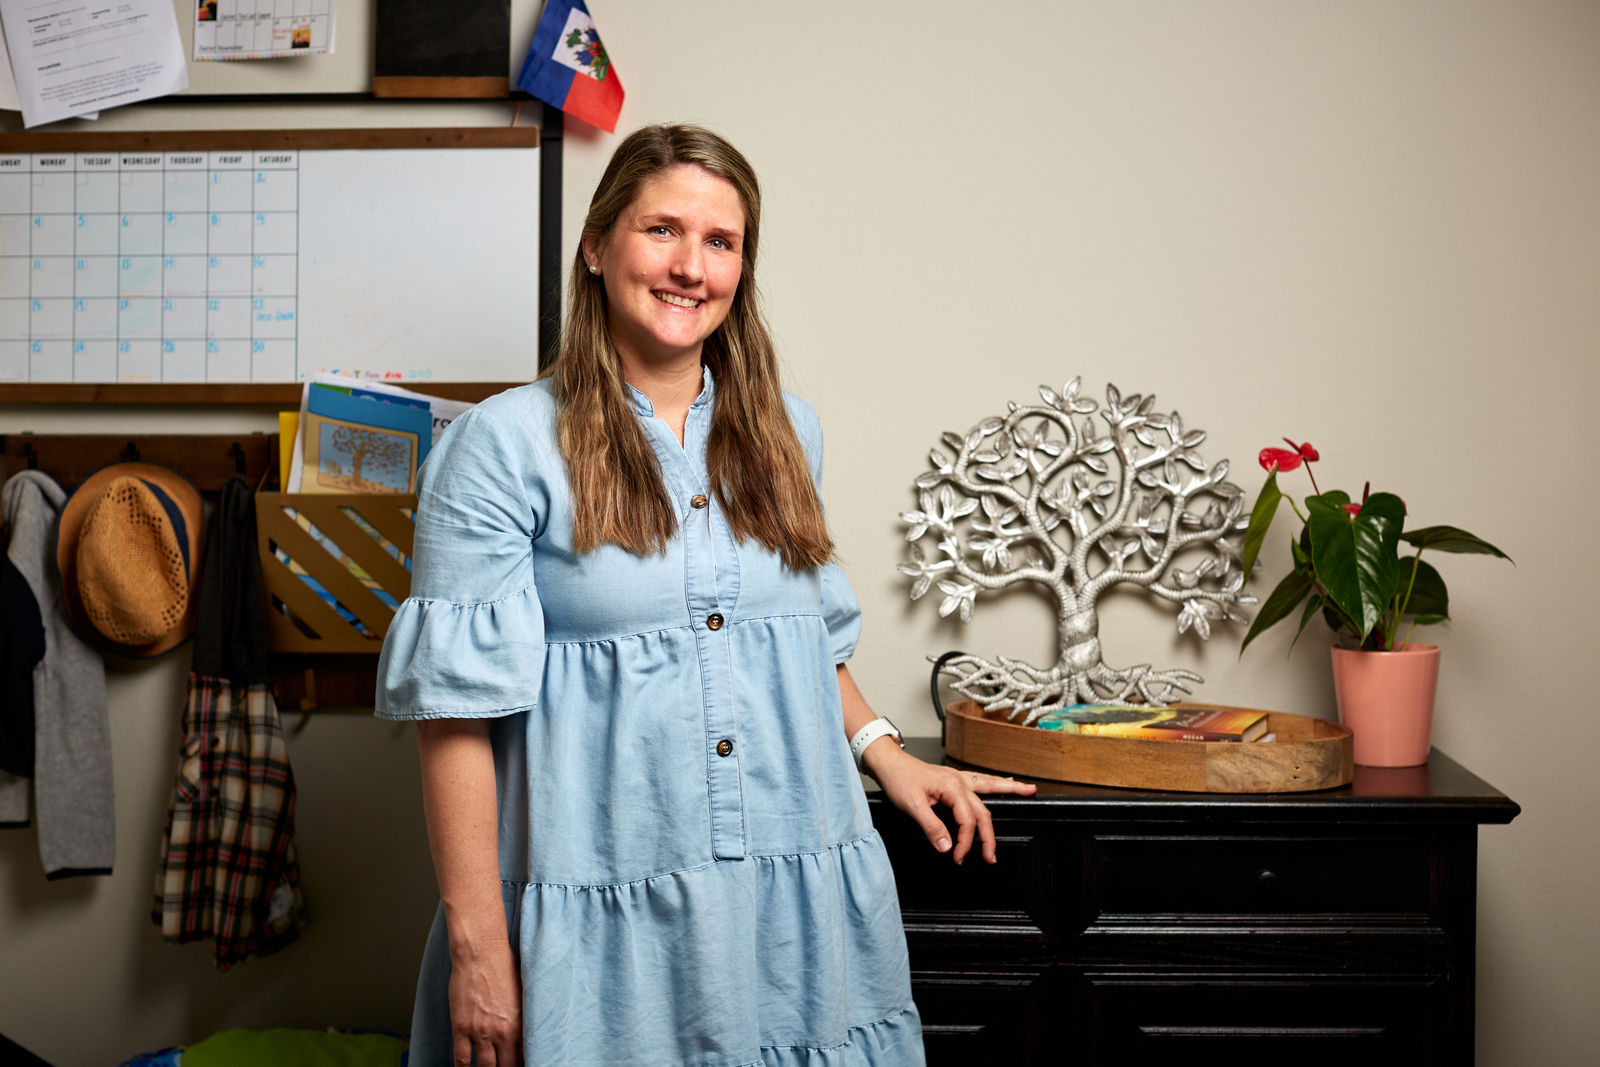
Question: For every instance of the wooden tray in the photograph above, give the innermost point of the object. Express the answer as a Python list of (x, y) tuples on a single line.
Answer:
[(328, 630), (1308, 754)]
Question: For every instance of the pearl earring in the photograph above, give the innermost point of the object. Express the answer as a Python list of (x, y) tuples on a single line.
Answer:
[(593, 269)]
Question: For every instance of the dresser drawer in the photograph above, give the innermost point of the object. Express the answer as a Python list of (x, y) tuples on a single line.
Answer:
[(1283, 876), (975, 1017), (1161, 1018), (1004, 909)]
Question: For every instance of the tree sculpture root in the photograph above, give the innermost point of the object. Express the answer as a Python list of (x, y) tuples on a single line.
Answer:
[(1028, 693)]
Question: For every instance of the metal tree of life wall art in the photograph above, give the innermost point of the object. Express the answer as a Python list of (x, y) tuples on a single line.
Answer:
[(1044, 495)]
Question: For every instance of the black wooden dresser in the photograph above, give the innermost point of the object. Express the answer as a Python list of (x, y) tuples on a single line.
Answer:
[(1123, 927)]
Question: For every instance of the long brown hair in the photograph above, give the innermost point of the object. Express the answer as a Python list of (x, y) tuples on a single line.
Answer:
[(757, 468)]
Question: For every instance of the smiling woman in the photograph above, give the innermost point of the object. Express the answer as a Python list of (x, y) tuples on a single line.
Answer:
[(664, 283), (625, 648)]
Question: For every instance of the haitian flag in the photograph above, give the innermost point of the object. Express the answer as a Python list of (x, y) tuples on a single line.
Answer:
[(567, 66)]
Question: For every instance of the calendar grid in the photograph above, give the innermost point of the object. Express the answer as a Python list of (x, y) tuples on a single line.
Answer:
[(149, 267)]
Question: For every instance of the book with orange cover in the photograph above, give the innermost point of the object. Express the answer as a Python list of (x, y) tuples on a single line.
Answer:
[(1158, 724)]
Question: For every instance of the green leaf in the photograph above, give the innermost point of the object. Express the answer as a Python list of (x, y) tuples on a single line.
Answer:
[(1451, 539), (1356, 557), (1428, 594), (1306, 616), (1260, 521), (1295, 585), (1429, 620)]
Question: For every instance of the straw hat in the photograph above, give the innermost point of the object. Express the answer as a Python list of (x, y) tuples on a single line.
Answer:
[(128, 546)]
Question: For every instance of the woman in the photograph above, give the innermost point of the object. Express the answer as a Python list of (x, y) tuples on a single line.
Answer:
[(625, 652)]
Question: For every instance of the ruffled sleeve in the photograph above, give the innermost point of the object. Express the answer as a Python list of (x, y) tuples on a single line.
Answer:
[(840, 609), (469, 641)]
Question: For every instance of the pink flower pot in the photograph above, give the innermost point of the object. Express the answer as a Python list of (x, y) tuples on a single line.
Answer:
[(1386, 699)]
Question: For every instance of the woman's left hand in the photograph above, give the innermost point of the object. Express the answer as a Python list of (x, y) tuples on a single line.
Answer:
[(915, 787)]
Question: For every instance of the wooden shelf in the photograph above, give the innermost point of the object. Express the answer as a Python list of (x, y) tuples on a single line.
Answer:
[(207, 460), (261, 140), (284, 395)]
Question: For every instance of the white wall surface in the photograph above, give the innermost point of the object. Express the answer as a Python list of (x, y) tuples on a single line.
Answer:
[(1372, 225)]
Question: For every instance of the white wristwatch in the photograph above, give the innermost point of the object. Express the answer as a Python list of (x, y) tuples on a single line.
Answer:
[(869, 733)]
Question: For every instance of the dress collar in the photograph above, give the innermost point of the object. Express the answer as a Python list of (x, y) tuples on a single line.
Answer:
[(645, 409)]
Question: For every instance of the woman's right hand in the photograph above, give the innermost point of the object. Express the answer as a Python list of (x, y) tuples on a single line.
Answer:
[(486, 1007)]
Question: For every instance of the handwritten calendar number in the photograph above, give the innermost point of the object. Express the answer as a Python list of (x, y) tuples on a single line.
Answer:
[(126, 263), (172, 220), (82, 265), (257, 304), (122, 305), (80, 305), (261, 220), (125, 220), (166, 305), (37, 347), (211, 346), (38, 264), (260, 176), (125, 347), (215, 221), (261, 261), (81, 222), (37, 222), (78, 347), (258, 346), (167, 346), (213, 258), (38, 305), (211, 305)]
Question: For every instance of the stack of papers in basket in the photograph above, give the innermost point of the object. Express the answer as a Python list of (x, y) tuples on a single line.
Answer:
[(361, 437)]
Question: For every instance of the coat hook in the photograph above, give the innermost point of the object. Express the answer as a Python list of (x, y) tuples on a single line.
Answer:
[(33, 456), (132, 452), (237, 452)]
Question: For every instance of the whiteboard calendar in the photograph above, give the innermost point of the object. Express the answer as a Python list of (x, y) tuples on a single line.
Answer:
[(268, 265)]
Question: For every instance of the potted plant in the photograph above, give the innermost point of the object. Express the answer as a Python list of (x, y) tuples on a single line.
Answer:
[(1348, 569)]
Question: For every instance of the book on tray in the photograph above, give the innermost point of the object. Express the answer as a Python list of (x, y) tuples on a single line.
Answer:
[(1158, 724)]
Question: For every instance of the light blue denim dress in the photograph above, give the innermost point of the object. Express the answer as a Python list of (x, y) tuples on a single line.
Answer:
[(690, 873)]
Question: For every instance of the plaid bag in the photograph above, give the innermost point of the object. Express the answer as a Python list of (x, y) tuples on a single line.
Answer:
[(227, 868)]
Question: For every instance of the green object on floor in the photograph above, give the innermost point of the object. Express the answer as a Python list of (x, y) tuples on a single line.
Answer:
[(303, 1048)]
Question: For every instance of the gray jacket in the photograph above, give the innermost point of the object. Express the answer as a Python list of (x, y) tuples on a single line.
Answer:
[(72, 792)]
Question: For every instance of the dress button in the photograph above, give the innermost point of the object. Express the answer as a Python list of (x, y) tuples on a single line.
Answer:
[(713, 622), (699, 500), (724, 747)]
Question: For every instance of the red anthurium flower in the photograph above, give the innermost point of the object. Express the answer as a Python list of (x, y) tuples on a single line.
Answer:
[(1355, 509), (1307, 453), (1280, 459)]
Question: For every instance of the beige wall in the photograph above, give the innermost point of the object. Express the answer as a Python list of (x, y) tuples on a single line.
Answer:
[(1373, 225)]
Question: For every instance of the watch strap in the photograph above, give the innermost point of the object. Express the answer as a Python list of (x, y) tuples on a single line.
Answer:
[(869, 733)]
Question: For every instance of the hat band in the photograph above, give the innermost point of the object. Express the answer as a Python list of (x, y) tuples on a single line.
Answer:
[(174, 516)]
